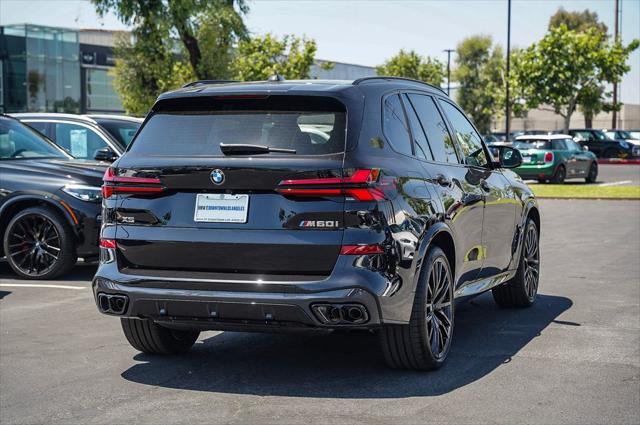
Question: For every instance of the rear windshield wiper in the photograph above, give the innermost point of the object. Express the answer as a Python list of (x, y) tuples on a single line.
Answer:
[(245, 149)]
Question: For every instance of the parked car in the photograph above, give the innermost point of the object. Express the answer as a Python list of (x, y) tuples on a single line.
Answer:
[(602, 145), (635, 133), (247, 222), (100, 137), (50, 203), (625, 135), (555, 158)]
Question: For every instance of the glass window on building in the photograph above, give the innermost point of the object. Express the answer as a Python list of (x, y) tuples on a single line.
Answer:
[(101, 96), (41, 66)]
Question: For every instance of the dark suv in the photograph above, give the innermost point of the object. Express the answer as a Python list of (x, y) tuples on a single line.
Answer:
[(603, 146), (312, 205)]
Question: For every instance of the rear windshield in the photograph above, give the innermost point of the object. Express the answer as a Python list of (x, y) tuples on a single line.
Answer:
[(315, 127), (533, 144)]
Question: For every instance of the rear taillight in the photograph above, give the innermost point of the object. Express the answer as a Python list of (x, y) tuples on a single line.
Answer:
[(361, 249), (361, 185), (108, 243), (131, 185), (548, 157)]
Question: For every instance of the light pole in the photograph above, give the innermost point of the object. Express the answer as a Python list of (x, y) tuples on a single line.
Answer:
[(448, 70), (614, 117), (507, 105)]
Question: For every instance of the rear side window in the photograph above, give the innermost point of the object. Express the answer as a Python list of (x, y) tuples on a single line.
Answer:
[(78, 140), (438, 136), (395, 125), (420, 143), (180, 129), (559, 145)]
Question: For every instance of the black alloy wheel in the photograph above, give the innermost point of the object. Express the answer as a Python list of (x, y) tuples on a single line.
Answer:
[(531, 262), (424, 343), (439, 308), (560, 175), (38, 244), (593, 173)]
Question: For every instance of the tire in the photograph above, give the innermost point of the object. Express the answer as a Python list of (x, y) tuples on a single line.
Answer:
[(33, 238), (410, 346), (593, 173), (559, 175), (522, 289), (151, 338)]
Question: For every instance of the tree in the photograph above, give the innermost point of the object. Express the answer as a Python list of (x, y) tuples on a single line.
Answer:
[(170, 41), (481, 77), (411, 65), (595, 97), (562, 69), (260, 57), (577, 21)]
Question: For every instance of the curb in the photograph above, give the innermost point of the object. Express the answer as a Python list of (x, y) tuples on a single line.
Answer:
[(618, 161)]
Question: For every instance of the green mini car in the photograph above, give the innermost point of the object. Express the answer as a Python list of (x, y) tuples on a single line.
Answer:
[(554, 158)]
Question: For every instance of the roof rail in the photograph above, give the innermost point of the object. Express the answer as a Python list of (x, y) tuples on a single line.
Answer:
[(199, 82), (363, 79)]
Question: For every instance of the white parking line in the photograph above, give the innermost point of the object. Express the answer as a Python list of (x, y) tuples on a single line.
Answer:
[(614, 183), (39, 285)]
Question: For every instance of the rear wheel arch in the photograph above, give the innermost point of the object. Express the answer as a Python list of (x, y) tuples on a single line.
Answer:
[(444, 240)]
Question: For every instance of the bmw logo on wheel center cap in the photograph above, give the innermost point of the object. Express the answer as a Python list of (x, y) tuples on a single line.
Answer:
[(217, 176)]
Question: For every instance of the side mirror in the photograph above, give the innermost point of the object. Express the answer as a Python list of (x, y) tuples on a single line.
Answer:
[(509, 157), (105, 154), (585, 148)]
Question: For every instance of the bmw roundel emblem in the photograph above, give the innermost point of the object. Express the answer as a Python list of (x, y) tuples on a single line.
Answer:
[(217, 176)]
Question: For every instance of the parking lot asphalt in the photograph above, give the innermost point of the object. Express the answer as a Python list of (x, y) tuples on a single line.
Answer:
[(574, 357), (612, 175)]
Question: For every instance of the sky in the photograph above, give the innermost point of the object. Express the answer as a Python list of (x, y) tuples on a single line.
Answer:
[(367, 32)]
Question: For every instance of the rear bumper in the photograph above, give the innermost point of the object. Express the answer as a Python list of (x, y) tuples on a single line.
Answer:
[(250, 305), (535, 171)]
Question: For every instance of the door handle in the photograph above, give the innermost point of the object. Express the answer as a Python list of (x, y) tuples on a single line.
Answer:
[(442, 180), (485, 186)]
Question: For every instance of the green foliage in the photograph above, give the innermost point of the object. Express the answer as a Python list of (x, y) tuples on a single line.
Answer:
[(258, 58), (144, 70), (411, 65), (481, 75), (172, 42), (577, 21), (563, 68)]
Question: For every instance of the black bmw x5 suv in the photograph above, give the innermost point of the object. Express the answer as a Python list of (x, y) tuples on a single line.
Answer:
[(312, 205)]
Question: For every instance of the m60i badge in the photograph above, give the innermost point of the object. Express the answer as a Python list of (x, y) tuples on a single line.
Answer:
[(320, 223)]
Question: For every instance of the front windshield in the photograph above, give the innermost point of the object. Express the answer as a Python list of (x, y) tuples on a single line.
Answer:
[(18, 141), (532, 144)]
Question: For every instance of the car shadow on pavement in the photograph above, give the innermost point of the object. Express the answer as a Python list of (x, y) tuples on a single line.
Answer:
[(348, 365)]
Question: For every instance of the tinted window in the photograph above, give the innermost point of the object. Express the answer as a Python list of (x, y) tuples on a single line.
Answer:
[(40, 126), (559, 145), (19, 141), (180, 133), (469, 140), (81, 142), (572, 146), (122, 131), (420, 143), (532, 144), (439, 138), (395, 126)]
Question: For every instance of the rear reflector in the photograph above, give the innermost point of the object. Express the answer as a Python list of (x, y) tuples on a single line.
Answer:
[(107, 243), (360, 186), (548, 157), (361, 249), (119, 184)]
